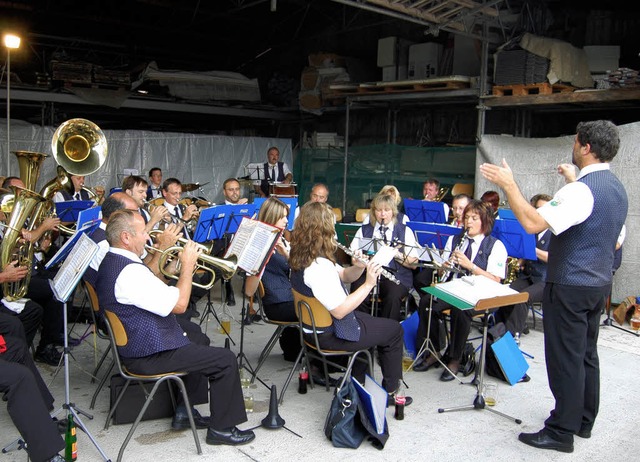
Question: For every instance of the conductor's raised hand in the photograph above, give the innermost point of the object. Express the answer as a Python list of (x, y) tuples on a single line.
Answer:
[(373, 272), (568, 171), (499, 175)]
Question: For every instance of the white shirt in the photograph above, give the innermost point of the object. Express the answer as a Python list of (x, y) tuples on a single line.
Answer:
[(58, 197), (156, 191), (572, 204), (103, 248), (323, 277), (137, 285), (285, 169), (496, 264), (409, 240)]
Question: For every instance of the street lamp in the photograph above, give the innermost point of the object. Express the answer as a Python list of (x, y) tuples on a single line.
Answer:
[(11, 42)]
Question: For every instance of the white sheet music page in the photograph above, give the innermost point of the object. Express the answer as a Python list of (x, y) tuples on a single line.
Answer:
[(471, 289), (73, 267), (252, 244)]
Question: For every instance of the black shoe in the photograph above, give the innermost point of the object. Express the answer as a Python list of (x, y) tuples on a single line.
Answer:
[(584, 432), (61, 424), (542, 440), (391, 400), (232, 437), (73, 341), (425, 364), (231, 298), (251, 318), (57, 458), (48, 354), (181, 419), (525, 378), (447, 376), (319, 380)]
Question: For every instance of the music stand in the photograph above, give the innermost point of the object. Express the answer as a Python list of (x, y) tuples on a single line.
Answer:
[(483, 306), (425, 211), (63, 285), (433, 234), (68, 211), (518, 242)]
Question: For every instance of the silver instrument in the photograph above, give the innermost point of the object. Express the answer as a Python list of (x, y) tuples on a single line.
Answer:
[(384, 272), (447, 274)]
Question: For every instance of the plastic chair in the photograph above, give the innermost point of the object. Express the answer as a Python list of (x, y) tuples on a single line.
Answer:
[(281, 326), (118, 337), (536, 309), (360, 213), (338, 213), (313, 316), (101, 332), (462, 188)]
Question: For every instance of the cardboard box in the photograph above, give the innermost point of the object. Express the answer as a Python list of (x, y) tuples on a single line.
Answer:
[(393, 73), (393, 51), (603, 58), (424, 59)]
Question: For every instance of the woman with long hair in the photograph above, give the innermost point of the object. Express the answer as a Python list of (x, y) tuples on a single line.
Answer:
[(480, 254), (315, 273)]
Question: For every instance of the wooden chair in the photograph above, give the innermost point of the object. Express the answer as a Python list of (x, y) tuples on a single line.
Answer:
[(101, 331), (313, 316), (360, 213), (118, 337), (462, 188), (280, 327)]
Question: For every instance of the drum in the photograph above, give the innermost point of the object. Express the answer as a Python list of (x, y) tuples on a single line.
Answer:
[(282, 189)]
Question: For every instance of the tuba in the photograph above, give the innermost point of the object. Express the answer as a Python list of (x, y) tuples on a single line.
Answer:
[(79, 148)]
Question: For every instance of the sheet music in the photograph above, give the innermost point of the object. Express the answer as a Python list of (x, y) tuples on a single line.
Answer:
[(384, 255), (471, 289), (252, 244), (73, 267)]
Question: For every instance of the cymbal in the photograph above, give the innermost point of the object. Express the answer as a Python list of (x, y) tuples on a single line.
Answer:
[(187, 187)]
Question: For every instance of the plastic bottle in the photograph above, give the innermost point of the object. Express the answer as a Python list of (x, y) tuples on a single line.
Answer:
[(70, 440), (400, 399), (302, 381)]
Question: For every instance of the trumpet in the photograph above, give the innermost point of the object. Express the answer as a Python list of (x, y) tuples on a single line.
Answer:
[(447, 274), (204, 248), (149, 206), (387, 274)]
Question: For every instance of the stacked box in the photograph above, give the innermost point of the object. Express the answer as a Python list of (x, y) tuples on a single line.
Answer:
[(71, 72), (518, 67)]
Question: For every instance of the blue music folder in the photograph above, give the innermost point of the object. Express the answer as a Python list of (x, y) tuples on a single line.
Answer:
[(68, 211), (433, 233), (510, 358), (212, 223), (518, 242), (425, 211), (90, 218), (237, 213)]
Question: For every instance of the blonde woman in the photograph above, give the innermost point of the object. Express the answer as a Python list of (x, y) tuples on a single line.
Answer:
[(390, 190)]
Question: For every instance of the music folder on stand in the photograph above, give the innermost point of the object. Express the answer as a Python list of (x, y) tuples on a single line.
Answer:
[(63, 285), (483, 306)]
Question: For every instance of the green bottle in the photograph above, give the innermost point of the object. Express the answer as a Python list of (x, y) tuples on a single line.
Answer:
[(71, 441)]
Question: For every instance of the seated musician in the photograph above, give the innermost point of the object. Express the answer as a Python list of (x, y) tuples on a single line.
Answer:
[(155, 184), (29, 400), (171, 191), (231, 192), (531, 279), (430, 191), (315, 273), (278, 299), (478, 254), (273, 171), (157, 344), (384, 229), (390, 190), (79, 192), (492, 199), (136, 187)]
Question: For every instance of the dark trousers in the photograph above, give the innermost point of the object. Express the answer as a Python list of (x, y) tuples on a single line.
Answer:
[(30, 317), (384, 334), (218, 365), (571, 324), (52, 316), (429, 323), (390, 294), (515, 317)]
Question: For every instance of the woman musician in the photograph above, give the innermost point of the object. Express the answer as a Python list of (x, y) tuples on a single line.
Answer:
[(278, 299), (384, 229), (315, 273), (481, 254)]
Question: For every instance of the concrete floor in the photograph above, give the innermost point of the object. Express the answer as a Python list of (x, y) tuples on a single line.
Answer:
[(424, 434)]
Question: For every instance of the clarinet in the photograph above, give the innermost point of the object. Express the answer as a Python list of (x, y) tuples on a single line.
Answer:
[(447, 274), (384, 272)]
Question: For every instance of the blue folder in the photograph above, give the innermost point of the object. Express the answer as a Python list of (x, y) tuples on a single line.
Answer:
[(518, 242), (292, 202), (425, 211), (510, 358), (68, 211)]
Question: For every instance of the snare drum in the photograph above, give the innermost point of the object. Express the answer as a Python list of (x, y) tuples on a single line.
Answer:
[(282, 189)]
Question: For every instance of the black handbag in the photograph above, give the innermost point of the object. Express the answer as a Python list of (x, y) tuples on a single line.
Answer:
[(347, 424)]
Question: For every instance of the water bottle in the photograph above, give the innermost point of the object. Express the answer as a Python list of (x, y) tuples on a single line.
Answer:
[(400, 400)]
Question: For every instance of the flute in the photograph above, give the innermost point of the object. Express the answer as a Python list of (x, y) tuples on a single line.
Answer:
[(384, 272)]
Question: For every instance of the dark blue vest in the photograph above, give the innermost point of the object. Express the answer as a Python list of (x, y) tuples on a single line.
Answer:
[(405, 275), (279, 169), (347, 328), (583, 254), (482, 257), (147, 332), (84, 195), (537, 270)]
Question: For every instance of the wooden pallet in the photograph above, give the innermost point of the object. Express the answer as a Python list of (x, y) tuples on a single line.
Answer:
[(543, 88), (95, 85), (402, 86)]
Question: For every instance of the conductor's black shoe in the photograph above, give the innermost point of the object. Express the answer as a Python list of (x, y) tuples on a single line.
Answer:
[(181, 419), (391, 400), (233, 436), (542, 440), (48, 354), (584, 432)]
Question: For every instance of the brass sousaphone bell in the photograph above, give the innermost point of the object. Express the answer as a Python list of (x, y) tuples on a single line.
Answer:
[(79, 146)]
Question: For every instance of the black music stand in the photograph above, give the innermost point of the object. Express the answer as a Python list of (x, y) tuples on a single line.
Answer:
[(483, 306), (63, 285), (425, 211)]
